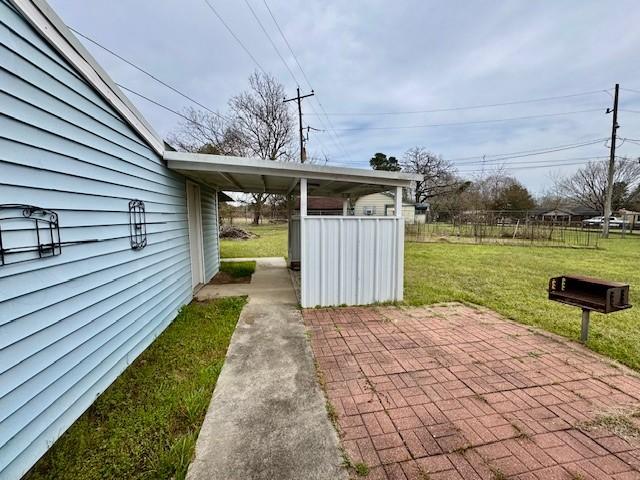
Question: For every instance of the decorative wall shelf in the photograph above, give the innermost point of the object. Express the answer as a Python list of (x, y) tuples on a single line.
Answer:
[(29, 232)]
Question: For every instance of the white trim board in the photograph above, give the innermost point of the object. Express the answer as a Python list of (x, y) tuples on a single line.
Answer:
[(199, 162)]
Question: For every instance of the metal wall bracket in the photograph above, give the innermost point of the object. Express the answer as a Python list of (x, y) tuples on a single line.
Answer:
[(137, 224), (29, 232)]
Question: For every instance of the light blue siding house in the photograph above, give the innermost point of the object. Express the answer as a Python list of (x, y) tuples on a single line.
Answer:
[(105, 231), (77, 310)]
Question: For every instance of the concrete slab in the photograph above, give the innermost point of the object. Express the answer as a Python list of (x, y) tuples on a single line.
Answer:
[(267, 418)]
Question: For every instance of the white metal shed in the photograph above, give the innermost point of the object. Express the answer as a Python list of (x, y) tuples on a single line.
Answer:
[(344, 260)]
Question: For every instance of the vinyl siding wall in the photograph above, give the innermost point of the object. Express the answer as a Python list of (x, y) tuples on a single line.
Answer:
[(70, 324)]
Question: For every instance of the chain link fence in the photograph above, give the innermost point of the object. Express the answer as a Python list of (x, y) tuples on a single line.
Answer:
[(497, 228)]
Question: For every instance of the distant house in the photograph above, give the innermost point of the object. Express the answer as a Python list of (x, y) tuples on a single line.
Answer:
[(423, 213), (382, 204), (323, 205), (375, 204), (565, 213), (630, 218)]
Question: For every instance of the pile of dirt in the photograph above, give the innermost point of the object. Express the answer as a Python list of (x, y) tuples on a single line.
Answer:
[(231, 232)]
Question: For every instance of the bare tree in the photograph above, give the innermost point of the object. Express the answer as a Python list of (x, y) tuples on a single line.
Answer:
[(454, 202), (259, 125), (265, 125), (438, 174), (264, 121), (588, 186), (207, 132), (491, 186)]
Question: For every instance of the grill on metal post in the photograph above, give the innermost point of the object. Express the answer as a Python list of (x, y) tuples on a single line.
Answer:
[(590, 294)]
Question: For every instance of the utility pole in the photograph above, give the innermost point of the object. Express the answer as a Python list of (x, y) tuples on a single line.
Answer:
[(299, 98), (612, 158)]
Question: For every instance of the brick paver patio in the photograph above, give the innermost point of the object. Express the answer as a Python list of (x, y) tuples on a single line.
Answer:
[(452, 392)]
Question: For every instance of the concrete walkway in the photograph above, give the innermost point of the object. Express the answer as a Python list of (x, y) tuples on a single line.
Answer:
[(267, 418)]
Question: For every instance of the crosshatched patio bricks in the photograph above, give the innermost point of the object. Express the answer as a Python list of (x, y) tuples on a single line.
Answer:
[(454, 392)]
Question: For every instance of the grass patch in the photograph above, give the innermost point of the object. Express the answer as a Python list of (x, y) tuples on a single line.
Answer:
[(332, 414), (497, 474), (272, 242), (145, 425), (513, 281), (361, 469), (238, 269), (622, 423)]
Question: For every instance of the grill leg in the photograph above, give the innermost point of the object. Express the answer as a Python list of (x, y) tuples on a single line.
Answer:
[(584, 332)]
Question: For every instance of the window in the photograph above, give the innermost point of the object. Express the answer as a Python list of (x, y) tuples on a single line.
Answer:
[(369, 211)]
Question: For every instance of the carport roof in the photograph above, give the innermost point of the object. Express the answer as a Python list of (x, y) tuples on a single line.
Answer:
[(240, 174)]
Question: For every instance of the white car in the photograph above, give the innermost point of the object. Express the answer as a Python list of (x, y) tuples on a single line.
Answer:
[(614, 222)]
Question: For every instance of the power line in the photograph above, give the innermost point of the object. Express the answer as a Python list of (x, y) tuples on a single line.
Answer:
[(630, 90), (264, 30), (271, 41), (149, 74), (237, 39), (534, 167), (244, 47), (536, 151), (468, 107), (476, 122), (169, 109), (525, 153), (526, 162), (287, 43), (331, 129), (629, 111)]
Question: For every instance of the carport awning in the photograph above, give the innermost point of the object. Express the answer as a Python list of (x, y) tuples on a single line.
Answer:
[(240, 174)]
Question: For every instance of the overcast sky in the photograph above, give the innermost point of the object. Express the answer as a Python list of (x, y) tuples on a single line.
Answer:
[(364, 57)]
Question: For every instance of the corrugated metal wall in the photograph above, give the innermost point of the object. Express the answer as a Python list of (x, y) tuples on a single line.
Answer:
[(351, 260), (293, 237), (70, 324)]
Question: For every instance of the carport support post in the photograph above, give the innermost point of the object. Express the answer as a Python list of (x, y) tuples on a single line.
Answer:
[(345, 207), (289, 226), (303, 217), (584, 331), (400, 246)]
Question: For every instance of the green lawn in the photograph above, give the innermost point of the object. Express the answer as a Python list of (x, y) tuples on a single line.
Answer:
[(272, 242), (144, 426), (513, 282), (238, 269)]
